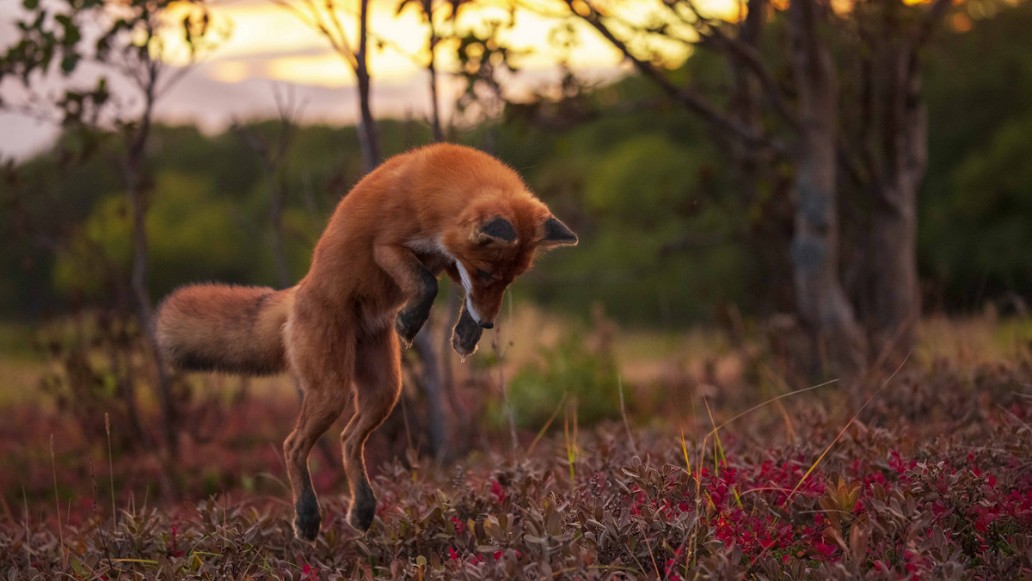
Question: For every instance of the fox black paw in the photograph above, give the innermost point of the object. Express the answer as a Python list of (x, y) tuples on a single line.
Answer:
[(306, 523), (361, 515), (407, 329), (466, 335)]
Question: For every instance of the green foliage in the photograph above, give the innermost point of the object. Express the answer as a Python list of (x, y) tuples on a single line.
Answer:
[(991, 187), (206, 243), (657, 170), (977, 200), (571, 372), (96, 256), (95, 364), (660, 239)]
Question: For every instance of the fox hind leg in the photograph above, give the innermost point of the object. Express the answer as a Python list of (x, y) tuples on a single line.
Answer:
[(377, 387), (320, 408)]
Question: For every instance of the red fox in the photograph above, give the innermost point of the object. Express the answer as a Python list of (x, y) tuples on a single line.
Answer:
[(372, 281)]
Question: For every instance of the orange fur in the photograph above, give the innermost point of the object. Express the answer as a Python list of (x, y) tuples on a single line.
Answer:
[(438, 208), (225, 328)]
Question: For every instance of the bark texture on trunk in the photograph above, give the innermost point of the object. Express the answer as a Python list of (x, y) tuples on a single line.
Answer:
[(893, 303), (820, 298)]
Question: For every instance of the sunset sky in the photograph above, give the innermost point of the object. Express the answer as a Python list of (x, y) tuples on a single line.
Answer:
[(269, 49), (270, 42)]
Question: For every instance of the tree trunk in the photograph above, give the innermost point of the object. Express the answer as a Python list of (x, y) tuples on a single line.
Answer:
[(431, 68), (433, 389), (120, 361), (894, 301), (895, 297), (769, 229), (436, 370), (277, 181), (366, 125), (820, 299), (144, 309), (136, 144)]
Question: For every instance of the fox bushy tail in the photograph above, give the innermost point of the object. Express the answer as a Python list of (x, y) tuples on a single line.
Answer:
[(235, 329)]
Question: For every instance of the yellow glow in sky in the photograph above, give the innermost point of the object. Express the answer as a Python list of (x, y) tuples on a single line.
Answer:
[(269, 41)]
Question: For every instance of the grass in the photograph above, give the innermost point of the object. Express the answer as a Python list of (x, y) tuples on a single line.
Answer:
[(931, 479), (20, 380), (20, 364), (974, 340)]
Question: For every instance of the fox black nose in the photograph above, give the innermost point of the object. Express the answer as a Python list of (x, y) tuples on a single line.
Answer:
[(486, 325)]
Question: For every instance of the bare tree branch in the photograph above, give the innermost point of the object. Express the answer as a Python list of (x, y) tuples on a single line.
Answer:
[(687, 97), (327, 23), (931, 18), (750, 57)]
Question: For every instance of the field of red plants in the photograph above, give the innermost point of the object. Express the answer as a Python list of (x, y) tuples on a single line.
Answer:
[(926, 473)]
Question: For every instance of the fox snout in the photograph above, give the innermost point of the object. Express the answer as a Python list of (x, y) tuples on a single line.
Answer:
[(484, 309)]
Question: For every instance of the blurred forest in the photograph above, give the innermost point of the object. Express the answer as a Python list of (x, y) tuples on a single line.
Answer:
[(667, 238)]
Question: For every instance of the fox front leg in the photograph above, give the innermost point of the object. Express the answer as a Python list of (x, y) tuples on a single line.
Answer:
[(417, 283), (412, 318), (466, 333)]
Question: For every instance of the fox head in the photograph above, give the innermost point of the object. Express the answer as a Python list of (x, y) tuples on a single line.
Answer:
[(497, 240)]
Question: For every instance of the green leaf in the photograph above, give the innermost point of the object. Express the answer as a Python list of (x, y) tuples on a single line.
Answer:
[(30, 4), (69, 62)]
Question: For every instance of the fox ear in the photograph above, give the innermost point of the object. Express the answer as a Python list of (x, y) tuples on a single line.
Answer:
[(557, 234), (497, 230)]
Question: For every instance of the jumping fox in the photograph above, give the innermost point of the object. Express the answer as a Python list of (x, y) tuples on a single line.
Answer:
[(372, 281)]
